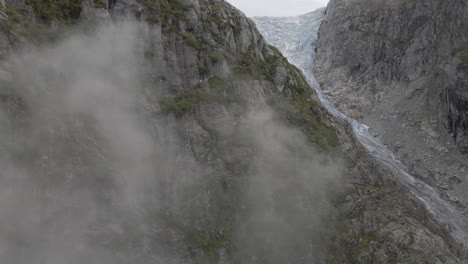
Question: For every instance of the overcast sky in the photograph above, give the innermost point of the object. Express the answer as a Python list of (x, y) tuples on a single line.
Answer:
[(277, 7)]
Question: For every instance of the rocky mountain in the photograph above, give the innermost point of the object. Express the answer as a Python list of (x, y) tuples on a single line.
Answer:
[(400, 67), (296, 38), (157, 132), (169, 131)]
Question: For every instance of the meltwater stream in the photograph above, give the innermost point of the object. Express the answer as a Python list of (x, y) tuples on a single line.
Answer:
[(295, 37)]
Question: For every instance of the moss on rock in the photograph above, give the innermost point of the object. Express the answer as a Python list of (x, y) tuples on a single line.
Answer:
[(18, 25), (65, 11), (462, 52), (163, 11), (189, 99)]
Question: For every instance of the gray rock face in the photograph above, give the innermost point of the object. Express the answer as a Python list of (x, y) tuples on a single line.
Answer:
[(168, 140), (186, 138), (457, 104), (91, 14), (370, 48), (370, 224), (395, 66), (3, 15)]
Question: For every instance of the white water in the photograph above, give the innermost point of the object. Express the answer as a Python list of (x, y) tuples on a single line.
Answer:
[(295, 37)]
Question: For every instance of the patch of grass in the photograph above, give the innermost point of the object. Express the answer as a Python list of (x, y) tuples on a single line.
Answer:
[(65, 11), (269, 66), (182, 103), (188, 100), (164, 11), (214, 56), (217, 18), (209, 243), (217, 83), (247, 64), (20, 26), (216, 36), (462, 52), (153, 9), (193, 42), (300, 110), (202, 69), (303, 112), (365, 240), (99, 4), (295, 105)]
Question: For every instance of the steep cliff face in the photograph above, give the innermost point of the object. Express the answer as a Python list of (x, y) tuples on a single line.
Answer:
[(456, 104), (399, 67), (176, 135), (164, 131), (380, 43), (373, 229)]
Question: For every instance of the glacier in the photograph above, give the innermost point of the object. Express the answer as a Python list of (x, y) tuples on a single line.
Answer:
[(296, 38)]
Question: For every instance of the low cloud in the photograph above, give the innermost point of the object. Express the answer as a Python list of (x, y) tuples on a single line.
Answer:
[(90, 176)]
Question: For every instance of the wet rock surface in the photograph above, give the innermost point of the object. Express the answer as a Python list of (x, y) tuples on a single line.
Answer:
[(203, 182), (398, 67), (371, 209)]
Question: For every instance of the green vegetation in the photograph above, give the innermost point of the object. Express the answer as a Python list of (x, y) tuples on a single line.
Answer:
[(207, 204), (347, 247), (209, 243), (303, 112), (202, 69), (214, 57), (188, 100), (300, 110), (19, 25), (216, 16), (204, 244), (248, 65), (152, 7), (192, 41), (269, 66), (217, 83), (64, 11), (216, 36), (223, 18), (163, 11), (462, 52), (182, 103), (99, 4)]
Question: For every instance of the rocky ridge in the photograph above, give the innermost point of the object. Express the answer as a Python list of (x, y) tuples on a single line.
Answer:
[(398, 67), (296, 38), (215, 181)]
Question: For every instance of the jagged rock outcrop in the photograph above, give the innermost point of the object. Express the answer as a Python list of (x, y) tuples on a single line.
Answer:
[(181, 154), (370, 222), (398, 66), (457, 105), (201, 144)]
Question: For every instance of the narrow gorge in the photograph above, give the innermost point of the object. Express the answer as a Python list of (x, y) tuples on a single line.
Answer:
[(172, 131)]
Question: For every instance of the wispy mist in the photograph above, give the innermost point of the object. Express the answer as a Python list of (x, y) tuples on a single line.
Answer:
[(287, 203), (77, 152), (89, 175)]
